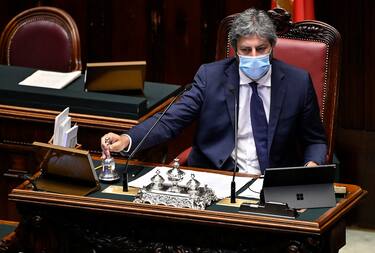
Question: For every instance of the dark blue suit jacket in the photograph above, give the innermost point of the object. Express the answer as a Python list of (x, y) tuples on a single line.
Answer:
[(295, 133)]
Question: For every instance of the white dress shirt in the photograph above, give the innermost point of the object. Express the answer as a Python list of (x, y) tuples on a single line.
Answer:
[(247, 159)]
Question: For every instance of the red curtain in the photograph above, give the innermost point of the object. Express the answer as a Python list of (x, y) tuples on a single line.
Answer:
[(274, 4), (303, 9), (300, 9)]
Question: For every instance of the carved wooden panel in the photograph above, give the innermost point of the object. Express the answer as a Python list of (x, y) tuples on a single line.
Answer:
[(49, 229)]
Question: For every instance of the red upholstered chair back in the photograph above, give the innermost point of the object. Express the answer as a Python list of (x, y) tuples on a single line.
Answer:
[(312, 45), (43, 38)]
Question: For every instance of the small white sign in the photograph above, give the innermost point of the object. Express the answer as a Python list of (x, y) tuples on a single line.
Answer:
[(57, 134)]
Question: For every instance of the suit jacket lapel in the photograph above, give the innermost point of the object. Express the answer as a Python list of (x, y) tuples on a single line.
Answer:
[(231, 88), (278, 91)]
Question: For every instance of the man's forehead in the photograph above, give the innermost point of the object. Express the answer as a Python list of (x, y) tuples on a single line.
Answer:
[(252, 40)]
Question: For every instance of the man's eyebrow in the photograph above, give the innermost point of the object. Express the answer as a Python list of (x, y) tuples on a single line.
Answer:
[(252, 46)]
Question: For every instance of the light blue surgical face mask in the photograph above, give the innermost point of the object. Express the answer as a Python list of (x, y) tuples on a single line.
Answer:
[(255, 67)]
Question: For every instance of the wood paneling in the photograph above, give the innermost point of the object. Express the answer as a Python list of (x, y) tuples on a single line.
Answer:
[(368, 63), (355, 147), (355, 21), (356, 152), (175, 37)]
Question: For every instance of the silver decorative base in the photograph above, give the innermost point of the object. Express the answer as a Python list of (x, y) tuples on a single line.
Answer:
[(185, 197), (109, 177)]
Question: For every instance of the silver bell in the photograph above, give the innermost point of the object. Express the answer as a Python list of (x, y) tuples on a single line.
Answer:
[(108, 173)]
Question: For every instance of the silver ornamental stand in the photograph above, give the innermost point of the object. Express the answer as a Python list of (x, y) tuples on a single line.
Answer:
[(171, 193)]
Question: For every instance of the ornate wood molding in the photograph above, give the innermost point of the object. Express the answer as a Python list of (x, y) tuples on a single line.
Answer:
[(45, 230), (305, 30)]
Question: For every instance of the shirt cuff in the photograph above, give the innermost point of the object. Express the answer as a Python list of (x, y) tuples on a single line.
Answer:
[(130, 143)]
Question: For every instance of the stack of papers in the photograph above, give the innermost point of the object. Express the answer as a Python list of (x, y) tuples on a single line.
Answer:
[(63, 134), (50, 79), (219, 183)]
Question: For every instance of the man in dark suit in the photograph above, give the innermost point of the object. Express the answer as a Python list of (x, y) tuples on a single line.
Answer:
[(278, 116)]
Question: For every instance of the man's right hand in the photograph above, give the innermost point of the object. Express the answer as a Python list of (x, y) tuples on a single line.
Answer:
[(113, 142)]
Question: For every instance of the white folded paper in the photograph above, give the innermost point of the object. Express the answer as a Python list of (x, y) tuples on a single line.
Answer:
[(63, 134), (253, 191), (50, 79), (70, 137), (57, 134), (219, 183), (63, 128)]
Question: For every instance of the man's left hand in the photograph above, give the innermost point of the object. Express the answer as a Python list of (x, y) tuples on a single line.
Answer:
[(311, 164)]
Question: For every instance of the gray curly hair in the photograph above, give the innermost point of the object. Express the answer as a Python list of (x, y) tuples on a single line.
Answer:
[(252, 22)]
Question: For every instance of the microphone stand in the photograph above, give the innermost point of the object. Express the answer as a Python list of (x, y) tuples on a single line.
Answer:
[(233, 183), (125, 186)]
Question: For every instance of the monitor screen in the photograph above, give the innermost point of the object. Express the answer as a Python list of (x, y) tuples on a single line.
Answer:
[(115, 76)]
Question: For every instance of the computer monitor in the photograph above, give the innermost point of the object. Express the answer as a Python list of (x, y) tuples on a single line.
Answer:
[(115, 77), (300, 187)]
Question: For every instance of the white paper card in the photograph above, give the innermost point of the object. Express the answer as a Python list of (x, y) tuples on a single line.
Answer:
[(253, 191), (57, 135), (63, 128), (69, 138), (219, 183), (50, 79)]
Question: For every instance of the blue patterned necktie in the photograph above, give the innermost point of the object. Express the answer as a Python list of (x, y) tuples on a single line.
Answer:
[(260, 127)]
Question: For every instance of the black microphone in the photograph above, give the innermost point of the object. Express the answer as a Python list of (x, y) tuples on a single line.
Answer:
[(24, 177), (233, 183), (125, 187)]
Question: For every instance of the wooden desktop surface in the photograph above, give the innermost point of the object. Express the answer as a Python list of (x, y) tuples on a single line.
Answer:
[(21, 123), (44, 213), (327, 231)]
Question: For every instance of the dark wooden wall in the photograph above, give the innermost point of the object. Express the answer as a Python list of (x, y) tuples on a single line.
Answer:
[(355, 140), (175, 37)]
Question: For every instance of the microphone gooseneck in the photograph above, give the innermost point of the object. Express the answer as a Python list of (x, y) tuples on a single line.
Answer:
[(24, 177), (125, 186), (233, 183)]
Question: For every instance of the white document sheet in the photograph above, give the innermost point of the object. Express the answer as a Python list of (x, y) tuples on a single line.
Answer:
[(63, 128), (220, 184), (50, 79), (57, 135), (69, 138), (253, 191)]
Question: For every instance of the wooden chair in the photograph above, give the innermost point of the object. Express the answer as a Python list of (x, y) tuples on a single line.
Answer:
[(42, 38), (312, 45)]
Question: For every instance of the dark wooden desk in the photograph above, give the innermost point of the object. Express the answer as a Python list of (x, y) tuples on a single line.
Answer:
[(27, 115), (112, 223), (22, 105)]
